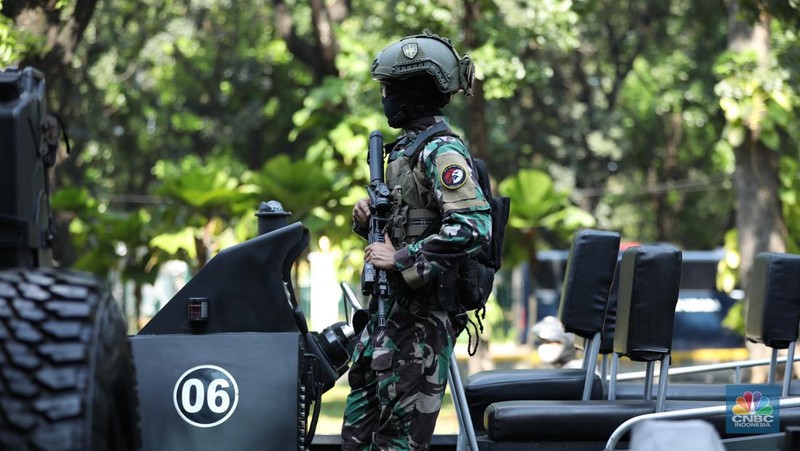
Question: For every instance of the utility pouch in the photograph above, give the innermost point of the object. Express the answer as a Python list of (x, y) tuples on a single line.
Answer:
[(475, 284), (466, 287), (447, 291)]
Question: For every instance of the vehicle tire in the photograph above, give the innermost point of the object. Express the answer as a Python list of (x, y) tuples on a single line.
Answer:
[(67, 380)]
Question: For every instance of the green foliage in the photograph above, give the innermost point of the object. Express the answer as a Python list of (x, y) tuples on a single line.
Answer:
[(533, 198), (536, 204), (110, 241), (790, 200), (213, 187), (734, 319), (786, 11), (728, 267), (728, 280), (16, 43), (669, 122), (185, 115), (205, 201), (9, 52), (754, 96), (179, 244), (299, 185)]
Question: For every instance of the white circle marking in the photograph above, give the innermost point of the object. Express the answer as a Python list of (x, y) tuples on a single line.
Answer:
[(219, 400)]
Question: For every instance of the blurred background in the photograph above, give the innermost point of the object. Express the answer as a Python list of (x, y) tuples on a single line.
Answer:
[(671, 121)]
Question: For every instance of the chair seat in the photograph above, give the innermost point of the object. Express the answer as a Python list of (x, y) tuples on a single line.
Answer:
[(584, 421), (687, 391), (487, 387), (560, 420)]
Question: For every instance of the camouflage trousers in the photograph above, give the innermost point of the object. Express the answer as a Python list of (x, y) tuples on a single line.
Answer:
[(398, 378)]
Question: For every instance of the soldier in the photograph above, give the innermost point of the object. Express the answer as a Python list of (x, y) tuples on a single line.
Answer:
[(440, 218)]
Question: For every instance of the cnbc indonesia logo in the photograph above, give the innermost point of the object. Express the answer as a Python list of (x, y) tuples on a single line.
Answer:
[(752, 410)]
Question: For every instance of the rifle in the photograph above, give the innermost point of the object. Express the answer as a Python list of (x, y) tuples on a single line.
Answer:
[(375, 282)]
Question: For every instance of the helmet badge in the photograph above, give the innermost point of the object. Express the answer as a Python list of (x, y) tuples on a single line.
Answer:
[(410, 50)]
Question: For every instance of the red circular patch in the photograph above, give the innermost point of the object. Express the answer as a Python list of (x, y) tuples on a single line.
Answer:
[(453, 176)]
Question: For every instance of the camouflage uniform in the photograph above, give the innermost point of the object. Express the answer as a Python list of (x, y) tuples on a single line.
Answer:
[(398, 377)]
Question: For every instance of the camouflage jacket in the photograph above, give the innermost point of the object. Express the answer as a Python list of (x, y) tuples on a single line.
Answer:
[(438, 178)]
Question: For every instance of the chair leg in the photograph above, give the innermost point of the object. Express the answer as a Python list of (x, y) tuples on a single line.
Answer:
[(460, 404), (587, 346), (648, 381), (589, 366), (787, 373), (663, 375), (612, 385), (773, 367)]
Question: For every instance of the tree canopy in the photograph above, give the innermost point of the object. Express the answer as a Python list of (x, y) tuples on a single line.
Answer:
[(641, 117)]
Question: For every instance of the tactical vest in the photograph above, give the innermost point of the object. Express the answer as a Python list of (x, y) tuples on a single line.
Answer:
[(415, 215), (415, 211)]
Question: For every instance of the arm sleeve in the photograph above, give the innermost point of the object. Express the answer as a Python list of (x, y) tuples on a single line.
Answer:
[(466, 216)]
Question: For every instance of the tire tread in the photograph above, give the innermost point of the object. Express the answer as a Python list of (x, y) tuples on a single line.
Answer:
[(62, 348)]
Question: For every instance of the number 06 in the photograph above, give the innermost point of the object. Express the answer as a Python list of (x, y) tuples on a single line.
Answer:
[(218, 398)]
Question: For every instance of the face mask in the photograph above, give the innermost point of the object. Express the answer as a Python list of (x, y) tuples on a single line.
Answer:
[(550, 352), (395, 109), (406, 101)]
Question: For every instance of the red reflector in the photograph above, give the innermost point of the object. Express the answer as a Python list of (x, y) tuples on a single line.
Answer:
[(198, 309)]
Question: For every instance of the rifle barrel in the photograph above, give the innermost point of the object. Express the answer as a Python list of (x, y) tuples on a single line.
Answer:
[(375, 156)]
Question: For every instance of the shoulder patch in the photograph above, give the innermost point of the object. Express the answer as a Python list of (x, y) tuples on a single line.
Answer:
[(453, 176)]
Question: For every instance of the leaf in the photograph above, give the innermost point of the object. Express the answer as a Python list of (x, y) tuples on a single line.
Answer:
[(734, 319), (779, 115), (172, 243), (732, 259), (735, 135), (299, 185), (570, 218), (731, 108), (783, 100), (532, 197), (771, 138), (73, 199), (204, 186)]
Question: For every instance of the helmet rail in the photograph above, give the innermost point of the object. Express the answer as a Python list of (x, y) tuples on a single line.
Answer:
[(426, 53)]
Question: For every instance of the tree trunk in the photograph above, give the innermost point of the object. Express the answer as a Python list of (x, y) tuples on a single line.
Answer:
[(759, 218), (477, 133), (61, 36), (530, 241), (758, 209), (320, 56), (137, 307), (664, 210)]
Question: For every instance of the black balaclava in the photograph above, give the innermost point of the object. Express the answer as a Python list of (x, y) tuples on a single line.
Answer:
[(412, 98)]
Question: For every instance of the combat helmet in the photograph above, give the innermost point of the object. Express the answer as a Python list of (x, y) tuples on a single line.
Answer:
[(426, 54)]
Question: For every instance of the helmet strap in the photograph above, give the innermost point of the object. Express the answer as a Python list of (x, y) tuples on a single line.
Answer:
[(466, 74)]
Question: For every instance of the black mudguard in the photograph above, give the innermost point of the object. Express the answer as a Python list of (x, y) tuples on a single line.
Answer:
[(245, 288)]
